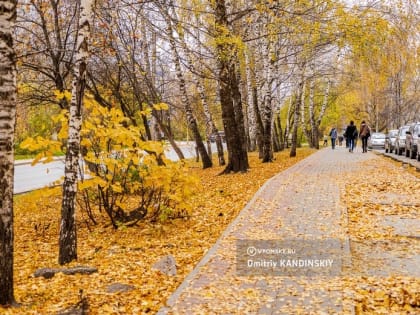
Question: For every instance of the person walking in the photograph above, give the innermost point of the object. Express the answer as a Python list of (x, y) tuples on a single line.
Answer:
[(364, 135), (351, 134), (340, 140), (333, 135)]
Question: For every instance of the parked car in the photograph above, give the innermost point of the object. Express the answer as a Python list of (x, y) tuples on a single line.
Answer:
[(390, 140), (400, 141), (411, 140), (418, 151), (213, 136), (376, 140)]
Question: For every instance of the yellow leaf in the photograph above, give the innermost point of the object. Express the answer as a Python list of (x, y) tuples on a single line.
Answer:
[(161, 106)]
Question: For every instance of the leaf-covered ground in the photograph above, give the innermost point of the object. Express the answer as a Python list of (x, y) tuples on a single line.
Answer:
[(383, 224), (127, 254)]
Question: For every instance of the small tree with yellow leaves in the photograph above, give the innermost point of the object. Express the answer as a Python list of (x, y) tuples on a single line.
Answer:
[(119, 178)]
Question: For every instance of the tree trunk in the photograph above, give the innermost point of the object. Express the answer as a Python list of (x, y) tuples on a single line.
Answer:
[(300, 99), (152, 130), (7, 127), (287, 129), (267, 104), (297, 109), (311, 109), (294, 131), (304, 122), (322, 111), (192, 122), (210, 125), (237, 105), (281, 138), (230, 97), (252, 124), (68, 235), (259, 122), (275, 137), (168, 134)]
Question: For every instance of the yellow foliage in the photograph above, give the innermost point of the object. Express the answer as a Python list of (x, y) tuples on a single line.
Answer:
[(46, 146), (161, 106), (121, 166), (62, 95), (126, 255)]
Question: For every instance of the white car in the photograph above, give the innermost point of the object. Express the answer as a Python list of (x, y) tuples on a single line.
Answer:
[(390, 140), (400, 141), (377, 140)]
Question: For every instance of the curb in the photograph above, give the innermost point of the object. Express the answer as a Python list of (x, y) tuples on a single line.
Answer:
[(402, 159), (29, 161), (175, 295)]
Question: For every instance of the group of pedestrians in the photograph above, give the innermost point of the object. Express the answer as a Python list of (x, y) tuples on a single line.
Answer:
[(351, 134)]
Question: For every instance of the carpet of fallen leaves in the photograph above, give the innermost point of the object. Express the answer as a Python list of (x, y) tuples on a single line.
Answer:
[(385, 255), (127, 254)]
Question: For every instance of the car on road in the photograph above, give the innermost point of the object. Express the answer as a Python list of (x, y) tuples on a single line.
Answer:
[(213, 136), (390, 140), (376, 140), (411, 140), (400, 141), (418, 151)]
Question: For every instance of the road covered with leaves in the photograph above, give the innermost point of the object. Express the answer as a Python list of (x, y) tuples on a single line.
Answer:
[(126, 255)]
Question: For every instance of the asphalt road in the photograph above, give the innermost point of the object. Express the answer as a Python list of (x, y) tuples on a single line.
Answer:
[(28, 177)]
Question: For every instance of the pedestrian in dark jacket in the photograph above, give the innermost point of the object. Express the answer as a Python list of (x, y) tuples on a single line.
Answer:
[(351, 135)]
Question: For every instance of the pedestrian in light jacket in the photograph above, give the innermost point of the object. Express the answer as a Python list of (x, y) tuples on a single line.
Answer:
[(333, 135)]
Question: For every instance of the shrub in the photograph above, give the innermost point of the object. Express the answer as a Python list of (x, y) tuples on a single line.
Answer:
[(121, 175)]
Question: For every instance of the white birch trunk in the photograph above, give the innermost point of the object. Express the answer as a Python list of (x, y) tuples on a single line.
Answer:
[(252, 119), (287, 129), (7, 127), (302, 105), (68, 235), (297, 110), (304, 110), (324, 103), (314, 130), (192, 122), (267, 107)]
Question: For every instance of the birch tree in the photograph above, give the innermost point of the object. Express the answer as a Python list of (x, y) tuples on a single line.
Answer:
[(268, 55), (7, 127), (298, 105), (230, 96), (45, 39), (192, 121), (68, 235), (125, 68)]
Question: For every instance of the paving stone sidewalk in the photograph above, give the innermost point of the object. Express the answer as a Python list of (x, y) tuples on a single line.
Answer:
[(301, 203)]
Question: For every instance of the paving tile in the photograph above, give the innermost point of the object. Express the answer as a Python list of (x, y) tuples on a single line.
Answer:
[(302, 203)]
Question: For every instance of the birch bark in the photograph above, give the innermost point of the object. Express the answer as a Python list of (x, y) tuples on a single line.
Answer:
[(311, 110), (252, 125), (230, 97), (268, 108), (7, 127), (192, 122), (68, 235)]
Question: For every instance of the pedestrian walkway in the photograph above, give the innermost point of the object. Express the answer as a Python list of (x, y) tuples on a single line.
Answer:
[(300, 204)]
